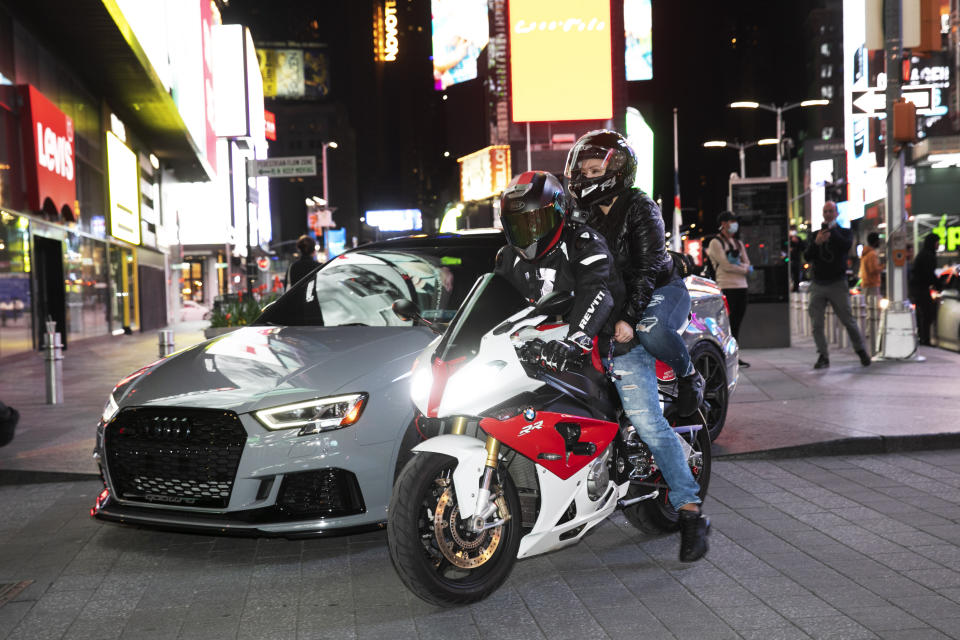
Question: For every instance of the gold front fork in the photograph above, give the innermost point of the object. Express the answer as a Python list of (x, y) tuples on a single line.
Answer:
[(459, 426), (493, 450)]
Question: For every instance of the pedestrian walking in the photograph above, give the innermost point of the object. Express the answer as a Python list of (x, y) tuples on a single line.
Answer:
[(307, 262), (827, 254), (871, 272), (923, 277), (731, 265)]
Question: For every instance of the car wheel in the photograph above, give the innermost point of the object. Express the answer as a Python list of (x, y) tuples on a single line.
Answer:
[(710, 363)]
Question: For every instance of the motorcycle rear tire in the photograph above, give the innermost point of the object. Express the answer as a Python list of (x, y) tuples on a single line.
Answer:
[(657, 515), (414, 563)]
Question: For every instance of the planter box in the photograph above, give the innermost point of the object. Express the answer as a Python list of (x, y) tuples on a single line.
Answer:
[(213, 332)]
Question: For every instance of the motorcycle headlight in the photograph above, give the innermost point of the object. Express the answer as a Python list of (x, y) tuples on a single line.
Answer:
[(314, 416), (110, 409)]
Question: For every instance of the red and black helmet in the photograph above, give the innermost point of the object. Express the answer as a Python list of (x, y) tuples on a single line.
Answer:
[(532, 210), (611, 167)]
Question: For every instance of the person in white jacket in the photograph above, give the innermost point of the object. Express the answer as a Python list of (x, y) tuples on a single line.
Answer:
[(732, 264)]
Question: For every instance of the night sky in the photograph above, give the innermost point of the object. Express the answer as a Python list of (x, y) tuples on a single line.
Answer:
[(402, 128)]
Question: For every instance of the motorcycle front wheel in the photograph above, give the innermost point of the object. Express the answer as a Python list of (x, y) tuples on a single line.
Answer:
[(434, 552), (657, 515)]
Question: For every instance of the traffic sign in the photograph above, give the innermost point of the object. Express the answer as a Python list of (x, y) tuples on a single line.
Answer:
[(289, 167), (872, 102)]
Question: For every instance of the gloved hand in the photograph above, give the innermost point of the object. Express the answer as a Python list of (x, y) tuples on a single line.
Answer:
[(557, 355)]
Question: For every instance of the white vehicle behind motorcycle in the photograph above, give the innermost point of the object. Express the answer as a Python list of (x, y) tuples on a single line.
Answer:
[(533, 459)]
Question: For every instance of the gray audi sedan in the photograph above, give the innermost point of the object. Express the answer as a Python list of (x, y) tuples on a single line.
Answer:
[(298, 424)]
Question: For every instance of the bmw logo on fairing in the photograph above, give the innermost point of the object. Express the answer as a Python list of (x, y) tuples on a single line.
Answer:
[(529, 413)]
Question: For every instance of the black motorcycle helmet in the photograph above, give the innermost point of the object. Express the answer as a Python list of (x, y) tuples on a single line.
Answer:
[(532, 210), (618, 167)]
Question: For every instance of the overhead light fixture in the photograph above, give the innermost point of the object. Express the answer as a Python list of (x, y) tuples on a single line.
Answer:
[(745, 104), (767, 141), (814, 103), (715, 143)]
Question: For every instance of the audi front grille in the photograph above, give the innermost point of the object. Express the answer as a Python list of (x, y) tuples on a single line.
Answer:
[(184, 457)]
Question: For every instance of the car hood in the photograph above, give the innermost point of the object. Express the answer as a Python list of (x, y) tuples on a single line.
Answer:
[(257, 367)]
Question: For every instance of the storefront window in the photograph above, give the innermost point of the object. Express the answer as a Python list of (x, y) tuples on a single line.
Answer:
[(87, 286), (16, 314), (193, 280)]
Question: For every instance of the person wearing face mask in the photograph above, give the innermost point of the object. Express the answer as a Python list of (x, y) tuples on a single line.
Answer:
[(732, 264)]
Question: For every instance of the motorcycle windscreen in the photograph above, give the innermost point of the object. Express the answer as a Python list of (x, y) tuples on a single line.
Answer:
[(492, 300)]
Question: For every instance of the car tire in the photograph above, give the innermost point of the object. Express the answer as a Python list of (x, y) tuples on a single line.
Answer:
[(716, 395)]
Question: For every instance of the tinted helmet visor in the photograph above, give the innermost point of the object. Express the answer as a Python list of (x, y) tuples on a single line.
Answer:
[(525, 228)]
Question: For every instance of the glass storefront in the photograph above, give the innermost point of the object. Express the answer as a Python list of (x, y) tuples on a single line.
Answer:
[(193, 279), (16, 315), (86, 279)]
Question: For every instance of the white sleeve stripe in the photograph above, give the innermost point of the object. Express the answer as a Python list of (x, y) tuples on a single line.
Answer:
[(594, 258)]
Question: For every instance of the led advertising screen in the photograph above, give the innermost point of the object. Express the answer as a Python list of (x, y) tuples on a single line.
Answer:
[(638, 27), (640, 136), (566, 37), (395, 219), (124, 183), (461, 30)]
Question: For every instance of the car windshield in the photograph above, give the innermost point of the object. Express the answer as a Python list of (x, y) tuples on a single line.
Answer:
[(360, 287)]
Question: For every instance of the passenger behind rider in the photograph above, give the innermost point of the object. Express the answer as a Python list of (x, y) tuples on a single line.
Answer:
[(544, 253), (601, 167)]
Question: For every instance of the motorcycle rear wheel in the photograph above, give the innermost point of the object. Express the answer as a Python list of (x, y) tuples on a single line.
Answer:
[(436, 557), (657, 515)]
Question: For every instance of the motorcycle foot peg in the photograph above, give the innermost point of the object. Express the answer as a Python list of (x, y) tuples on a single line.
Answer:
[(582, 448), (650, 496)]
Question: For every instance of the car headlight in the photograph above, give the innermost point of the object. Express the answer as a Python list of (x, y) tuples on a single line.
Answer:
[(314, 416), (110, 409)]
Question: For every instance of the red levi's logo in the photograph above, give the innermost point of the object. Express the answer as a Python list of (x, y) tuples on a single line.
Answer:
[(49, 136)]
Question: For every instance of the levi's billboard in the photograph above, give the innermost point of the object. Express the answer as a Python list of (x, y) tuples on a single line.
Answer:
[(49, 140), (560, 39)]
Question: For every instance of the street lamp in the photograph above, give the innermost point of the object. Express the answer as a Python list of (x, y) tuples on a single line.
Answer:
[(741, 147), (323, 159), (779, 110)]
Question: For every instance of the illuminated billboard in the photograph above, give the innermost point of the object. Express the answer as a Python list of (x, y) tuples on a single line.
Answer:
[(294, 73), (123, 178), (638, 28), (395, 219), (640, 137), (573, 44), (484, 173), (461, 30)]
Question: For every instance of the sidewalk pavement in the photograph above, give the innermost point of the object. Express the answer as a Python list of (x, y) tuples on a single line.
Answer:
[(834, 547), (781, 406)]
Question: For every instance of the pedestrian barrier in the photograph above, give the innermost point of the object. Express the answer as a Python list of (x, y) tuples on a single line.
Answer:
[(165, 342), (867, 317), (53, 363)]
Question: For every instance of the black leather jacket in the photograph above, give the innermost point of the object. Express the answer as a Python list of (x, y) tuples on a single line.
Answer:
[(580, 263), (634, 232)]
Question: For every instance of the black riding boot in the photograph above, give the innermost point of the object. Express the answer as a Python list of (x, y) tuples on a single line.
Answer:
[(694, 529)]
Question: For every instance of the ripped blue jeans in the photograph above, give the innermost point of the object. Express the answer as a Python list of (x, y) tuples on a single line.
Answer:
[(637, 387), (657, 329)]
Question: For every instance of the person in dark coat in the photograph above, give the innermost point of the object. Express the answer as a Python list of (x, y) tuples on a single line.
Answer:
[(923, 276), (8, 422), (305, 264)]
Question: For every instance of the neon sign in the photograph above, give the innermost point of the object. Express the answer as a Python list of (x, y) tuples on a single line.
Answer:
[(949, 236)]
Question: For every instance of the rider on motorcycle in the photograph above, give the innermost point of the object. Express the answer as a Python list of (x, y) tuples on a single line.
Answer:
[(544, 253), (601, 167)]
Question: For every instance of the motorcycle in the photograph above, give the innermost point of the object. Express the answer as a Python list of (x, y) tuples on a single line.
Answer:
[(551, 455)]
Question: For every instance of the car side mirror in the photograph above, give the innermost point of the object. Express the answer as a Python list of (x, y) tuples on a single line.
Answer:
[(555, 303)]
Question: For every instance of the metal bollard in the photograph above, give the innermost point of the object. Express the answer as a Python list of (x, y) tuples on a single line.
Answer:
[(53, 363), (165, 342)]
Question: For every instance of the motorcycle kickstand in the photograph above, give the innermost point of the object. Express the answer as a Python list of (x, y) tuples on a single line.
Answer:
[(650, 496)]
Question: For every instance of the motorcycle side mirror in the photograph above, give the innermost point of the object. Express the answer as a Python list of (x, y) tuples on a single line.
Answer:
[(407, 310), (555, 303)]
